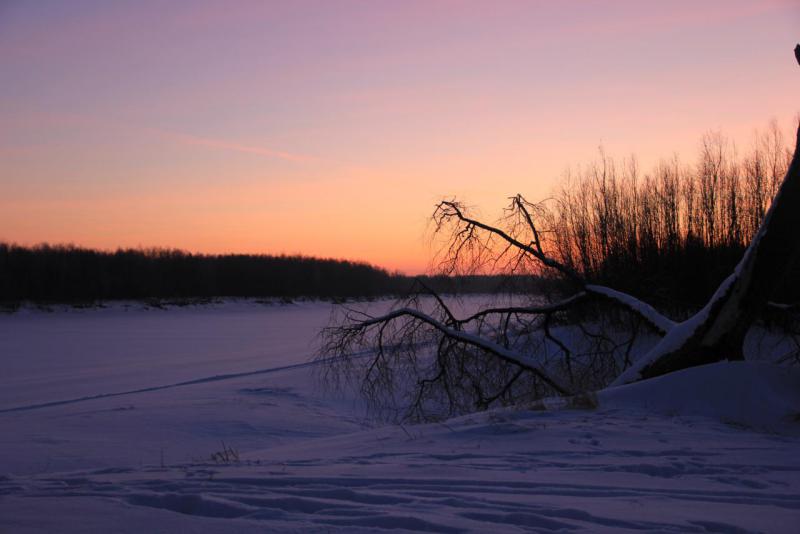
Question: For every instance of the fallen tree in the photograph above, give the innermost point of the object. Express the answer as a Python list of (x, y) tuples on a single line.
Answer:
[(424, 359)]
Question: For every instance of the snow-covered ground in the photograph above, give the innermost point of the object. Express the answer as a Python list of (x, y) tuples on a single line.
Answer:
[(109, 419)]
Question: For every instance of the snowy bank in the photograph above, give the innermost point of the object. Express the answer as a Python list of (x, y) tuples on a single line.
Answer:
[(757, 395)]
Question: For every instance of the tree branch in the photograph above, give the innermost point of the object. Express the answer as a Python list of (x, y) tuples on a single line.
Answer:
[(652, 317), (528, 310), (468, 339), (448, 209), (451, 209)]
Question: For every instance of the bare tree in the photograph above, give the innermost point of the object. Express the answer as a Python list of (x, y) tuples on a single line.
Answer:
[(425, 359)]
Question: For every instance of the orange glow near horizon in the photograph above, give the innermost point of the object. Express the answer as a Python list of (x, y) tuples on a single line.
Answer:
[(332, 130)]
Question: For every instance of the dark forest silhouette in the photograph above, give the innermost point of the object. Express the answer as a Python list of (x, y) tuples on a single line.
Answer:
[(67, 273)]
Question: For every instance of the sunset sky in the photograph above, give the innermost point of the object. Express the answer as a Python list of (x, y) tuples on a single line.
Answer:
[(331, 128)]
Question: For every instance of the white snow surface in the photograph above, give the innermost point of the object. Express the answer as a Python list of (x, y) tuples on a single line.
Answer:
[(109, 418)]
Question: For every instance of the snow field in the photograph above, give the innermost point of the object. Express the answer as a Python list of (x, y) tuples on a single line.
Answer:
[(101, 432)]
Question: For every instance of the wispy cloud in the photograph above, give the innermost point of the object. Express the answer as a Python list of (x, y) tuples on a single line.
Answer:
[(121, 126), (237, 147)]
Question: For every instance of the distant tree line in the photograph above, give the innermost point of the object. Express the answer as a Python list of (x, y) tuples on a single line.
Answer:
[(670, 235), (67, 273), (64, 273)]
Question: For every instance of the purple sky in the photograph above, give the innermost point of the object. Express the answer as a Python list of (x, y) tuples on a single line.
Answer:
[(331, 128)]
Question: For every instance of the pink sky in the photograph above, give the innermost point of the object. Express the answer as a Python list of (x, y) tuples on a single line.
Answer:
[(331, 128)]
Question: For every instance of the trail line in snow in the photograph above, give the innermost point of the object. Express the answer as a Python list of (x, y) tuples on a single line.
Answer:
[(196, 381)]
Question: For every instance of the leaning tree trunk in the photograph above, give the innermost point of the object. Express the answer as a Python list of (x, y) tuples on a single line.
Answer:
[(717, 332)]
